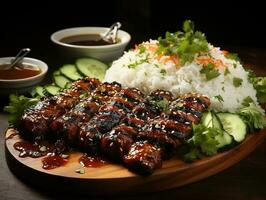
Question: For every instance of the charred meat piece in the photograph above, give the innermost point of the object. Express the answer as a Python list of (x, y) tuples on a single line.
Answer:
[(105, 91), (86, 108), (168, 142), (67, 101), (142, 112), (169, 134), (158, 101), (179, 130), (134, 122), (122, 103), (132, 95), (89, 139), (35, 121), (86, 84), (143, 158), (117, 142), (183, 117), (161, 94), (192, 102), (107, 118), (67, 126), (199, 98)]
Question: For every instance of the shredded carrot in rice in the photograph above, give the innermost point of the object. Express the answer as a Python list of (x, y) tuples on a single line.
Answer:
[(225, 53), (206, 60), (174, 59), (152, 47)]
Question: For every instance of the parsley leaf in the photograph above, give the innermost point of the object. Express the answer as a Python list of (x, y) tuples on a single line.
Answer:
[(161, 104), (219, 98), (142, 48), (204, 139), (233, 56), (259, 83), (247, 101), (192, 155), (209, 71), (185, 44), (163, 72), (17, 106), (254, 116), (226, 71), (138, 62), (237, 81)]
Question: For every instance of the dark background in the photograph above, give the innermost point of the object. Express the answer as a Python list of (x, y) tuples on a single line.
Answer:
[(31, 24)]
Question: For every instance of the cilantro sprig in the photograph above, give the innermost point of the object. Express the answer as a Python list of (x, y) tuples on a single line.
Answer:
[(259, 84), (202, 143), (186, 44), (17, 106), (209, 71), (253, 115)]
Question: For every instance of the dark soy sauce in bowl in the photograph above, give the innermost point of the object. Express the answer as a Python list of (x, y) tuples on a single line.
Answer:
[(86, 40)]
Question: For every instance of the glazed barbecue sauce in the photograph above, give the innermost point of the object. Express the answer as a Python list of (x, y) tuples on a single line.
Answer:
[(40, 149), (92, 161), (51, 159)]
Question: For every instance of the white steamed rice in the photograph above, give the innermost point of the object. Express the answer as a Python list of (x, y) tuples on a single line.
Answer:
[(148, 76)]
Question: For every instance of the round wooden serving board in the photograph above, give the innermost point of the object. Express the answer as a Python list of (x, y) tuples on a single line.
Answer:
[(115, 179)]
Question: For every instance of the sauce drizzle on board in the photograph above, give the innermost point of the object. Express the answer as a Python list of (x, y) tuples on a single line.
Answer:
[(53, 160), (92, 161)]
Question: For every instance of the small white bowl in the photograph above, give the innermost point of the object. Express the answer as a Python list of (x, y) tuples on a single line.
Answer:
[(105, 53), (19, 84)]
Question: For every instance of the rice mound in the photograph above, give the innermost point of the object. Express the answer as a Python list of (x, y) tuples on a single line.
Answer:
[(132, 70)]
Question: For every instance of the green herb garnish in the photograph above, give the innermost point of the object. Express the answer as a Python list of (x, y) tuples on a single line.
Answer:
[(247, 101), (80, 171), (161, 104), (203, 142), (226, 71), (259, 83), (209, 71), (186, 44), (163, 72), (254, 116), (17, 106), (233, 56), (142, 48), (135, 64), (237, 81), (219, 98)]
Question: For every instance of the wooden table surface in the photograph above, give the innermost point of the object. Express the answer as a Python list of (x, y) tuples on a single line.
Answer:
[(245, 180)]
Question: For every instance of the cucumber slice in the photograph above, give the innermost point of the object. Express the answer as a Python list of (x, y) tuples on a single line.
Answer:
[(39, 91), (210, 119), (57, 72), (68, 85), (61, 81), (91, 68), (224, 139), (233, 125), (52, 89), (70, 71)]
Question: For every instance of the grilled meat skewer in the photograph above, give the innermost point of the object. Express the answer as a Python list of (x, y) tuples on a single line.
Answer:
[(120, 123)]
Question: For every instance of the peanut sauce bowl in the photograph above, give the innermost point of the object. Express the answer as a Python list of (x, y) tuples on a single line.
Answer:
[(100, 51), (24, 80)]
